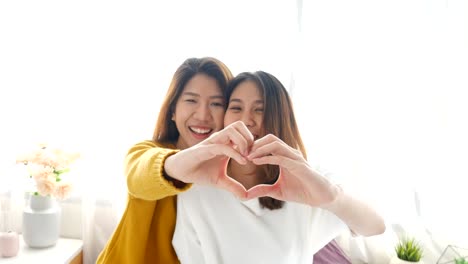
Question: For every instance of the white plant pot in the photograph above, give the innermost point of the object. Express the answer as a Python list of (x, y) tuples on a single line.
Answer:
[(396, 260), (41, 221)]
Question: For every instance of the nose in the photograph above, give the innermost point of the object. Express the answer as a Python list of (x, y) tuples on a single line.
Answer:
[(248, 119), (203, 112)]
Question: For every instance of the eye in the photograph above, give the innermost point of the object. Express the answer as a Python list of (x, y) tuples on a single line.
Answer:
[(259, 110), (235, 108), (217, 104), (190, 100)]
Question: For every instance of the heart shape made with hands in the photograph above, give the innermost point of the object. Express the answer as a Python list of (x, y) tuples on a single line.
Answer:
[(228, 144), (247, 188)]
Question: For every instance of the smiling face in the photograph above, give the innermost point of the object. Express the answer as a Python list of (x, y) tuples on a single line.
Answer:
[(246, 104), (199, 111), (261, 101)]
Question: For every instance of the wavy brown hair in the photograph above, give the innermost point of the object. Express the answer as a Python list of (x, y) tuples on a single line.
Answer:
[(166, 130), (278, 119)]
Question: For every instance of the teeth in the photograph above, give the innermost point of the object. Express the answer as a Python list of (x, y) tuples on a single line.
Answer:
[(201, 130)]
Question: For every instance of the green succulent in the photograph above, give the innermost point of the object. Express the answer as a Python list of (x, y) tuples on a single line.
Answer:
[(408, 249), (461, 261)]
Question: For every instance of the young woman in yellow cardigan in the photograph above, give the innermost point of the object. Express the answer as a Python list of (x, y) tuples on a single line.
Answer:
[(144, 234)]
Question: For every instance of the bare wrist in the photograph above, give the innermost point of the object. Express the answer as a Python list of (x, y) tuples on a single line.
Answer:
[(335, 202), (168, 175)]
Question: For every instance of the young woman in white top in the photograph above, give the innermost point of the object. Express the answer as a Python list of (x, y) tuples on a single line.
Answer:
[(272, 207)]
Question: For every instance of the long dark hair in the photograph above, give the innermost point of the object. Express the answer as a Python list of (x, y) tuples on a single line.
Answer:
[(166, 130), (278, 119)]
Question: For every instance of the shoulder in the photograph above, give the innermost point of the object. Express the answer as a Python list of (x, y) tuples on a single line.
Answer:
[(198, 192), (205, 196), (151, 147), (152, 144)]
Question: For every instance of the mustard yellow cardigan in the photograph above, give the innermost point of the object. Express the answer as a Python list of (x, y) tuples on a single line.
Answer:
[(144, 234)]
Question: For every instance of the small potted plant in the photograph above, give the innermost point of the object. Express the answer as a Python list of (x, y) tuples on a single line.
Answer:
[(461, 261), (453, 255), (408, 250)]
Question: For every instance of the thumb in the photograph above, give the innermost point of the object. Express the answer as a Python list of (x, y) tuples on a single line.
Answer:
[(227, 183), (233, 186), (261, 191)]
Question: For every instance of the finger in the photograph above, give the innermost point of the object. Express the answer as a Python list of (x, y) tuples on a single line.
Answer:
[(243, 138), (239, 142), (276, 148), (261, 190), (208, 152), (220, 137), (244, 130), (229, 184), (233, 186), (276, 160), (267, 139), (236, 134)]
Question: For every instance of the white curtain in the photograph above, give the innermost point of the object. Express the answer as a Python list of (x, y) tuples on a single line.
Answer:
[(381, 92), (377, 88)]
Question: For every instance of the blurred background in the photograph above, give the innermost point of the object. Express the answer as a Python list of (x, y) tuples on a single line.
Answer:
[(379, 88)]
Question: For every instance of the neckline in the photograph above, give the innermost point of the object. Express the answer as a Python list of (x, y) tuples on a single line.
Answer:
[(254, 206)]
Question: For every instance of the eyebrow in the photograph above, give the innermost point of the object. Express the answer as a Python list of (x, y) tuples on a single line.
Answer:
[(197, 95)]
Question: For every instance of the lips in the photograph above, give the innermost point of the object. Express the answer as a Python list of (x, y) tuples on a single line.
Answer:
[(200, 133), (200, 130)]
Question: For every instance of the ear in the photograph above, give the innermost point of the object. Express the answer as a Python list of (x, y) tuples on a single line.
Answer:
[(173, 116)]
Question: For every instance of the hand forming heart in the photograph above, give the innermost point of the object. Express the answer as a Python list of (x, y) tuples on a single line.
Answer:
[(206, 163)]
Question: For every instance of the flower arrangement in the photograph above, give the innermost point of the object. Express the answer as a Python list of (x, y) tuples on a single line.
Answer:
[(46, 166)]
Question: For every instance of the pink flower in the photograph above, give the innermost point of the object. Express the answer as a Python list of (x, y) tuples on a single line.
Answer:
[(41, 172), (45, 187), (48, 167), (62, 190)]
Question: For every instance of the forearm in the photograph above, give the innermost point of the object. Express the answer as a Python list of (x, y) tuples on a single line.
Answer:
[(360, 217), (144, 167)]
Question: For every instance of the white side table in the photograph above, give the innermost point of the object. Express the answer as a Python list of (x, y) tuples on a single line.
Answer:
[(67, 251)]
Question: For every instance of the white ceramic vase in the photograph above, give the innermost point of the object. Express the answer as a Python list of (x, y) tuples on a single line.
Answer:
[(396, 260), (41, 221)]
